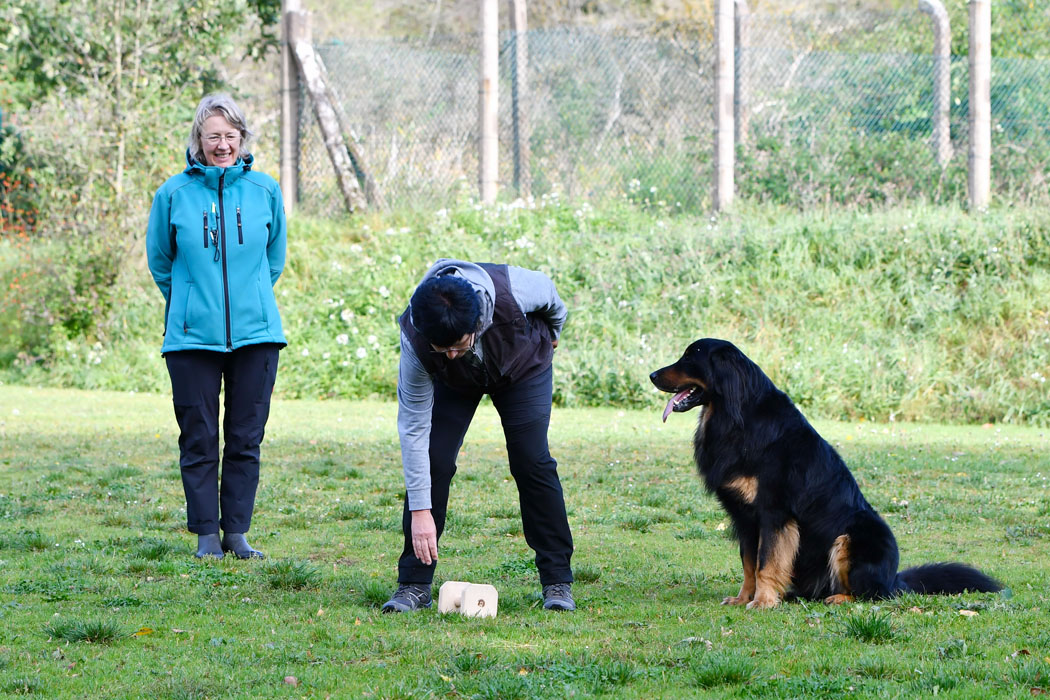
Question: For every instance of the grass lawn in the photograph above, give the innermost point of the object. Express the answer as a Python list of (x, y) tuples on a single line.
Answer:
[(100, 595)]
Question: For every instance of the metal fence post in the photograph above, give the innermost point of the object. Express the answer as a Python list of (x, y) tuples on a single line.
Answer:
[(743, 93), (519, 91), (289, 168), (724, 33), (941, 139), (488, 102), (980, 118)]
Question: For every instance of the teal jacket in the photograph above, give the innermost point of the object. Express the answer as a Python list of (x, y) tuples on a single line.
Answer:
[(215, 245)]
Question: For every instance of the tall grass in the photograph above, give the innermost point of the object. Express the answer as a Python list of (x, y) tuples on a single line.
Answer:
[(929, 314)]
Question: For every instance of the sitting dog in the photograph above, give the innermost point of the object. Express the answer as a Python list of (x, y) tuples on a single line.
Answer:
[(799, 516)]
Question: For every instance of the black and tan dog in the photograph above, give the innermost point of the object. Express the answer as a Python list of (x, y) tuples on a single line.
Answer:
[(799, 516)]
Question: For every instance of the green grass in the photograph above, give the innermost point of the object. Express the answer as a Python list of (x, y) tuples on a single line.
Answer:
[(101, 597), (918, 314)]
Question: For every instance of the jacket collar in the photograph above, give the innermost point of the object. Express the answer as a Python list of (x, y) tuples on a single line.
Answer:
[(211, 173)]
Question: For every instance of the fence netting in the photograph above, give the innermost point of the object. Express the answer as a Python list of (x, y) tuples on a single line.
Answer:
[(837, 110)]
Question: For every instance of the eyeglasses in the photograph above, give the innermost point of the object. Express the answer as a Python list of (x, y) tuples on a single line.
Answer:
[(215, 139), (459, 349)]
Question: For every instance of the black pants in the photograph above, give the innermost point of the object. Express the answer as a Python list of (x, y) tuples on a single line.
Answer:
[(196, 376), (525, 412)]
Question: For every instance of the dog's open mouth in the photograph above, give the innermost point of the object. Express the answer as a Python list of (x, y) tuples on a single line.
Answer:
[(680, 401)]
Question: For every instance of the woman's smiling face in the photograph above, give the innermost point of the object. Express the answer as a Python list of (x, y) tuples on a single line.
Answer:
[(220, 141)]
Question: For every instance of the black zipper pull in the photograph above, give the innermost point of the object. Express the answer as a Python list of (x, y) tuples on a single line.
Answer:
[(240, 233), (205, 228), (215, 233)]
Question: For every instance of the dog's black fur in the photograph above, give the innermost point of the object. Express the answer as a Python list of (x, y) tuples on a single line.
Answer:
[(799, 516)]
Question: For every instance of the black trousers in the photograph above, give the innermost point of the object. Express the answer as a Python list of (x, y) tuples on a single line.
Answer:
[(525, 412), (248, 374)]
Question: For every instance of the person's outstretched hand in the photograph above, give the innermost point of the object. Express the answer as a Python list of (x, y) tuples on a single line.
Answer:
[(424, 536)]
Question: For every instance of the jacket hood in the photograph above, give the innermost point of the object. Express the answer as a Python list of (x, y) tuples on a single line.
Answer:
[(212, 173)]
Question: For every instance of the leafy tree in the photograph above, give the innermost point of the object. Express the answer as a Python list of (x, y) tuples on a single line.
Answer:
[(103, 91)]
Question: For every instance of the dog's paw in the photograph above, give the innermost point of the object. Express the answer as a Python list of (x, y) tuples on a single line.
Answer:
[(763, 603), (736, 600), (838, 599)]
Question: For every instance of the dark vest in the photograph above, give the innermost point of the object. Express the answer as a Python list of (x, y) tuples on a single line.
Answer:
[(514, 348)]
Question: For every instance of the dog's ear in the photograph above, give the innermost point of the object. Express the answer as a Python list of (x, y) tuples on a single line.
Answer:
[(734, 381)]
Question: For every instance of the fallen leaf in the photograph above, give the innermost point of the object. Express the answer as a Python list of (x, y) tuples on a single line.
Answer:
[(176, 630), (968, 613), (1020, 652), (292, 681), (143, 631), (320, 611), (915, 609), (523, 671)]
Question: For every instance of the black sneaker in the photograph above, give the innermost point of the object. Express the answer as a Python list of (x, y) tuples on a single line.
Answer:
[(407, 597), (558, 596)]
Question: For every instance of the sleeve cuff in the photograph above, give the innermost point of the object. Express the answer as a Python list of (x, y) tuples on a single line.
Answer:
[(419, 499)]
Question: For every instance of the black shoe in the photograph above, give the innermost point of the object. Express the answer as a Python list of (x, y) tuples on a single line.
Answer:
[(409, 596), (558, 596), (209, 546), (236, 543)]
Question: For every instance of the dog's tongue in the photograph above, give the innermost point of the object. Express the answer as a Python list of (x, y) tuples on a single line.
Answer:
[(674, 399)]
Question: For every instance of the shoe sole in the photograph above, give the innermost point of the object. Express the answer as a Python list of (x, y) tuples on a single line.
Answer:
[(253, 555), (392, 607)]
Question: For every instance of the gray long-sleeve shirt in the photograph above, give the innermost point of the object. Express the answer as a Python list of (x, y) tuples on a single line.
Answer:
[(533, 291)]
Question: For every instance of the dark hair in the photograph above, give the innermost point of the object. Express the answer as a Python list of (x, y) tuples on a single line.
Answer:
[(444, 309)]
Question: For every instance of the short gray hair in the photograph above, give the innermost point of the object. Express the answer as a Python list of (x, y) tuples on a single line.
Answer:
[(222, 105)]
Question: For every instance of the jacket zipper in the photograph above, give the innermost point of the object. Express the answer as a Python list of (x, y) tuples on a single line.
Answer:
[(240, 233), (205, 228), (225, 273)]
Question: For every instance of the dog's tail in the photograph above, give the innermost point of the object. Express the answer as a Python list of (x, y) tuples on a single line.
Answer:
[(946, 578)]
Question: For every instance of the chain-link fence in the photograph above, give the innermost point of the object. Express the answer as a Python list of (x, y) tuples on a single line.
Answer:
[(838, 110)]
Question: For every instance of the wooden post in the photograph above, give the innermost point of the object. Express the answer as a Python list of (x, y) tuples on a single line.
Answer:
[(724, 34), (289, 172), (941, 138), (312, 73), (519, 87), (742, 107), (488, 102), (980, 157)]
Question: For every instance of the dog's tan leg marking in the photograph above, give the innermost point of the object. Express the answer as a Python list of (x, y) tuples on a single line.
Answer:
[(747, 588), (745, 486), (773, 578), (838, 569)]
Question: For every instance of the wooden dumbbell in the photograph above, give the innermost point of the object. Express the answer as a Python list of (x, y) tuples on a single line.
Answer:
[(470, 599)]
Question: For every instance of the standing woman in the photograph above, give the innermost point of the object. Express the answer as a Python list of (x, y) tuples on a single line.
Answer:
[(216, 245)]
